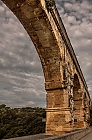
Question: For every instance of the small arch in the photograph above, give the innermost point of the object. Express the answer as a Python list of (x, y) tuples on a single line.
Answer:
[(76, 87), (84, 96), (77, 94), (84, 99)]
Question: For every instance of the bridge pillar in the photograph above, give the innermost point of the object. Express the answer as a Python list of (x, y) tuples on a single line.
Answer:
[(86, 107), (58, 114), (79, 113)]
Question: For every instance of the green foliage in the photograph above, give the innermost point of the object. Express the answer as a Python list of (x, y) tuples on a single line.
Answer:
[(21, 121)]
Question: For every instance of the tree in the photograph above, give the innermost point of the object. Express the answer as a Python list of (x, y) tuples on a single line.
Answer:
[(21, 121)]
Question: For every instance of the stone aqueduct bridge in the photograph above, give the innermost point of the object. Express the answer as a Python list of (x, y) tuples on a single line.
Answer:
[(68, 99)]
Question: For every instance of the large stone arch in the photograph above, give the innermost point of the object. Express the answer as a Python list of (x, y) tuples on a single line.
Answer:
[(36, 20)]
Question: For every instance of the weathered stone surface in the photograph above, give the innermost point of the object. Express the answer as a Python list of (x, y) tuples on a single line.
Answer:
[(67, 93)]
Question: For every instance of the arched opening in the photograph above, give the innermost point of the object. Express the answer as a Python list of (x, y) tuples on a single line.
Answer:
[(20, 81), (37, 24), (77, 102), (20, 67)]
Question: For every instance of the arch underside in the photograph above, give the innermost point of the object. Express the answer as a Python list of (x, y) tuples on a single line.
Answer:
[(35, 21)]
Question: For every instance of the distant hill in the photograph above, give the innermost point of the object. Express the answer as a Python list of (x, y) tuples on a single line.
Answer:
[(21, 121)]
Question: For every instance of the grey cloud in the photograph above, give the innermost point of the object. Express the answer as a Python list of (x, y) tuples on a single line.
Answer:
[(21, 77)]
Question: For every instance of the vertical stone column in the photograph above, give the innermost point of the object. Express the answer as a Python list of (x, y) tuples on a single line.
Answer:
[(58, 116), (86, 110), (79, 114)]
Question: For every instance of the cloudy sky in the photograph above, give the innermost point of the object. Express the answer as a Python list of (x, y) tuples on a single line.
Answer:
[(21, 76)]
